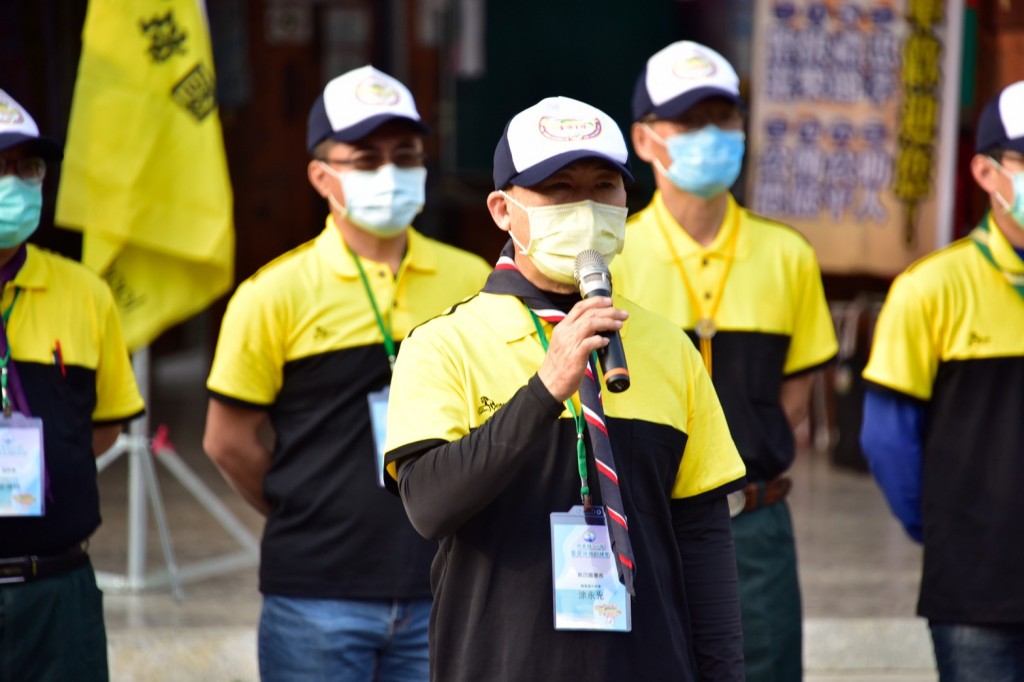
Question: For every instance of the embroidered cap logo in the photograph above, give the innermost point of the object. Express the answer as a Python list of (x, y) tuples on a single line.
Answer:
[(376, 92), (9, 114), (694, 67), (568, 129)]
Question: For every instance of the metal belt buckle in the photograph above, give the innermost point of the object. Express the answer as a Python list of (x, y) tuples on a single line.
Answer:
[(12, 570)]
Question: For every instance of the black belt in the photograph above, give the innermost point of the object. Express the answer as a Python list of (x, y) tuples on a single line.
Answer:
[(21, 569)]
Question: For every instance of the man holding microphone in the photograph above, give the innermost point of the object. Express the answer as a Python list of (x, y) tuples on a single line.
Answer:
[(579, 538)]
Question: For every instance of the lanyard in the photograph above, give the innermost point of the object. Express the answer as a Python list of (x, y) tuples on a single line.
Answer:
[(4, 397), (705, 327), (981, 238), (578, 419), (385, 330)]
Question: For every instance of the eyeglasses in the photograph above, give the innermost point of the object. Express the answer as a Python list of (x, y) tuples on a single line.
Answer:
[(31, 168), (723, 116), (371, 161)]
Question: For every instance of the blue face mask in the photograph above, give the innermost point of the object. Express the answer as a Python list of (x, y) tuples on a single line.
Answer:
[(21, 203), (384, 201), (1014, 208), (705, 162)]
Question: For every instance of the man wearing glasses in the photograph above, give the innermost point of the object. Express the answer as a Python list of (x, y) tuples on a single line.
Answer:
[(66, 388), (299, 390)]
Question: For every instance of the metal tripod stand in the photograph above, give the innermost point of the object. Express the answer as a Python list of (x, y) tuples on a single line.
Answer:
[(143, 486)]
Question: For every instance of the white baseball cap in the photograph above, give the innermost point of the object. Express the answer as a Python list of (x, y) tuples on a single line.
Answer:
[(356, 103), (680, 75), (1001, 123), (17, 127), (540, 141)]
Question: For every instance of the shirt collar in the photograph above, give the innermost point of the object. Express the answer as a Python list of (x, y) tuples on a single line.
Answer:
[(418, 255), (686, 246), (510, 319), (1002, 251), (33, 273)]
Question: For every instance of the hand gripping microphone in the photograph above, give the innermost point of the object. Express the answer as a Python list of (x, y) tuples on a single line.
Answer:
[(592, 277)]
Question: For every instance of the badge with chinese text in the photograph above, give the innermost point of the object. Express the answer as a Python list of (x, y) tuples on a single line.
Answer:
[(21, 466), (378, 401), (587, 591)]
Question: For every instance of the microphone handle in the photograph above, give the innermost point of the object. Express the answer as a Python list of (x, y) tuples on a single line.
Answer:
[(612, 357), (613, 363)]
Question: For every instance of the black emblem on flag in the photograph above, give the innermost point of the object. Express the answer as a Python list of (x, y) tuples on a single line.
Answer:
[(196, 92), (165, 38), (125, 296)]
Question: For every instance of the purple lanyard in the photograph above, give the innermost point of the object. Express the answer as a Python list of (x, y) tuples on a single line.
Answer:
[(15, 389)]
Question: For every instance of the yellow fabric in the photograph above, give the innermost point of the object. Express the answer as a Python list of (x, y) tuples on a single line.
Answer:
[(311, 301), (457, 370), (144, 176), (774, 285), (951, 305), (61, 301)]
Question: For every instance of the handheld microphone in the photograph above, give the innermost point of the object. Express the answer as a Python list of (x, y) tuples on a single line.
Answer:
[(592, 277)]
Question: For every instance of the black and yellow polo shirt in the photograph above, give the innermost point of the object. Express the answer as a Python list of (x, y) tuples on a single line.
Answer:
[(300, 340), (90, 381), (951, 338), (773, 321), (671, 444)]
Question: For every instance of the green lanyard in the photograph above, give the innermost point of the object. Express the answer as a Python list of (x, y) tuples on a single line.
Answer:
[(578, 419), (385, 330), (6, 358), (981, 236)]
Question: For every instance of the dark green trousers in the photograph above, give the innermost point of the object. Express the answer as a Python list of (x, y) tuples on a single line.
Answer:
[(769, 595), (51, 630)]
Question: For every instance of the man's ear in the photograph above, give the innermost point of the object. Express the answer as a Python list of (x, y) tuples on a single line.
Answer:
[(498, 207), (642, 142), (984, 172), (319, 178)]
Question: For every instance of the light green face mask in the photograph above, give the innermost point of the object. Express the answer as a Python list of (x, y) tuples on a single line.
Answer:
[(1014, 208), (21, 203), (559, 233)]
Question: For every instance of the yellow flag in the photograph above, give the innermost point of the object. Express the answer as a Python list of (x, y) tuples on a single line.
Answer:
[(144, 175)]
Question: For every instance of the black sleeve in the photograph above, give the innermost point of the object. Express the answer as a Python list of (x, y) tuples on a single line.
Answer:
[(444, 486), (704, 535)]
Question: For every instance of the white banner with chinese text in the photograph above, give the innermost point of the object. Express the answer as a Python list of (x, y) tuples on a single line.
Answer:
[(853, 125)]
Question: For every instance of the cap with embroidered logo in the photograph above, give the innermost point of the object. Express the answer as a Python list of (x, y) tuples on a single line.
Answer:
[(17, 127), (540, 141), (1001, 123), (356, 103), (681, 75)]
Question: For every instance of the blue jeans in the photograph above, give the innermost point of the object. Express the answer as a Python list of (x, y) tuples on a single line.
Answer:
[(343, 640), (970, 653)]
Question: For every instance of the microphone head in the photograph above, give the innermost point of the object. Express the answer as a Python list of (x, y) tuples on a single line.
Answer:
[(591, 273), (588, 261)]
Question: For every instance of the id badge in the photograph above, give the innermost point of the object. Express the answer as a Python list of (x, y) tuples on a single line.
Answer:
[(21, 466), (378, 401), (587, 591)]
